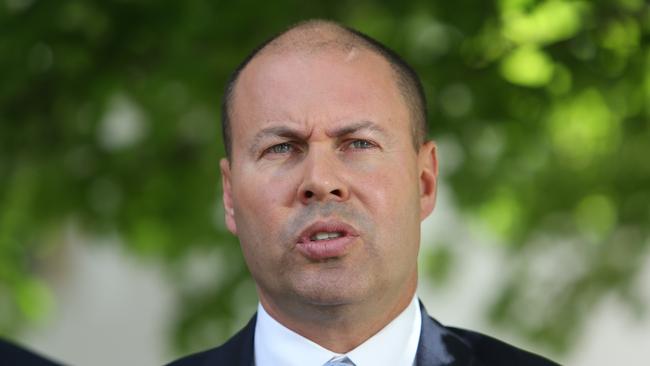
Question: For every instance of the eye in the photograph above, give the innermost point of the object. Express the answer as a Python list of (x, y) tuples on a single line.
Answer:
[(282, 148), (362, 144)]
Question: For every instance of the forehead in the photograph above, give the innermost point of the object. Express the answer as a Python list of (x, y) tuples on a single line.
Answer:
[(316, 87)]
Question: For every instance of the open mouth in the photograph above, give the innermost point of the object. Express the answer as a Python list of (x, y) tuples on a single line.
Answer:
[(323, 235), (326, 240)]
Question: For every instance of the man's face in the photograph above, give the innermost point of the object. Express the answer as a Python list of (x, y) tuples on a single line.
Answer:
[(325, 189)]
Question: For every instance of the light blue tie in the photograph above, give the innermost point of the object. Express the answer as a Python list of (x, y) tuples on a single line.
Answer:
[(339, 361)]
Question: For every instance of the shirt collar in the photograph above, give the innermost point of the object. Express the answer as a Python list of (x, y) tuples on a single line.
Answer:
[(275, 344)]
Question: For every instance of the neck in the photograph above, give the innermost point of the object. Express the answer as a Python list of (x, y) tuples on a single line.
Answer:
[(340, 328)]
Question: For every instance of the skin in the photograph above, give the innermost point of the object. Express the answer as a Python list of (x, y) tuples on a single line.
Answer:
[(326, 135)]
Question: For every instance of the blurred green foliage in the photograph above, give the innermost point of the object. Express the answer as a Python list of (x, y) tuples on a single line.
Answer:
[(109, 115)]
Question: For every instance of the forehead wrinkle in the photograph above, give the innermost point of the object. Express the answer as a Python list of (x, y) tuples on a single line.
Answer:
[(350, 50)]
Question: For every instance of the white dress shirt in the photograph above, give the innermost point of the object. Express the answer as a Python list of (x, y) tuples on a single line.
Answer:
[(394, 345)]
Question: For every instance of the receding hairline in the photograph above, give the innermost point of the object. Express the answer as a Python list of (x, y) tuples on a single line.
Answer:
[(322, 35), (315, 35)]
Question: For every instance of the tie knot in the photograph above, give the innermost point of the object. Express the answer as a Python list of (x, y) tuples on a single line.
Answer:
[(339, 361)]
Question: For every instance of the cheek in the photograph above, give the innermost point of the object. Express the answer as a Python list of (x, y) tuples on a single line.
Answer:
[(387, 187), (391, 194), (260, 203), (261, 192)]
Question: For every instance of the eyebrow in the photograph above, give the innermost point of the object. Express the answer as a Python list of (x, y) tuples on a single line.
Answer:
[(275, 131), (355, 127)]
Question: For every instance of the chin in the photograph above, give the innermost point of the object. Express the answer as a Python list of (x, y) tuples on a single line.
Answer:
[(332, 296), (328, 300)]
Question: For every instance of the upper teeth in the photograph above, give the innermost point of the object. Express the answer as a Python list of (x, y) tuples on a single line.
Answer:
[(325, 236)]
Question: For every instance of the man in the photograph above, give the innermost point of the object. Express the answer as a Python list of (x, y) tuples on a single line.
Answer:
[(327, 178)]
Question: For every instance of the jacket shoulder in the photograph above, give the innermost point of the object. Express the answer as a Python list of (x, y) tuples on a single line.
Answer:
[(12, 354), (491, 351), (238, 350)]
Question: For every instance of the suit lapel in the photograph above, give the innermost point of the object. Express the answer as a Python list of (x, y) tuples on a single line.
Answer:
[(440, 347), (247, 350), (238, 351)]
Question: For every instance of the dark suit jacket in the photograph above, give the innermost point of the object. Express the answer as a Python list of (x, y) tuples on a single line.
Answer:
[(438, 346), (11, 354)]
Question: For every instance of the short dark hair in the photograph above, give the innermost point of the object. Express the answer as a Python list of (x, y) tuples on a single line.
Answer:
[(408, 81)]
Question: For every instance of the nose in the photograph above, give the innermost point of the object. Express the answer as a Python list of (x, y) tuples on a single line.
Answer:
[(323, 179)]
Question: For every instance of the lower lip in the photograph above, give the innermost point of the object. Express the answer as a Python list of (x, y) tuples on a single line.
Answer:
[(319, 250)]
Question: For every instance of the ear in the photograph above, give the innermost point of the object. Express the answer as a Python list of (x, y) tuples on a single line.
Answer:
[(428, 170), (224, 164)]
